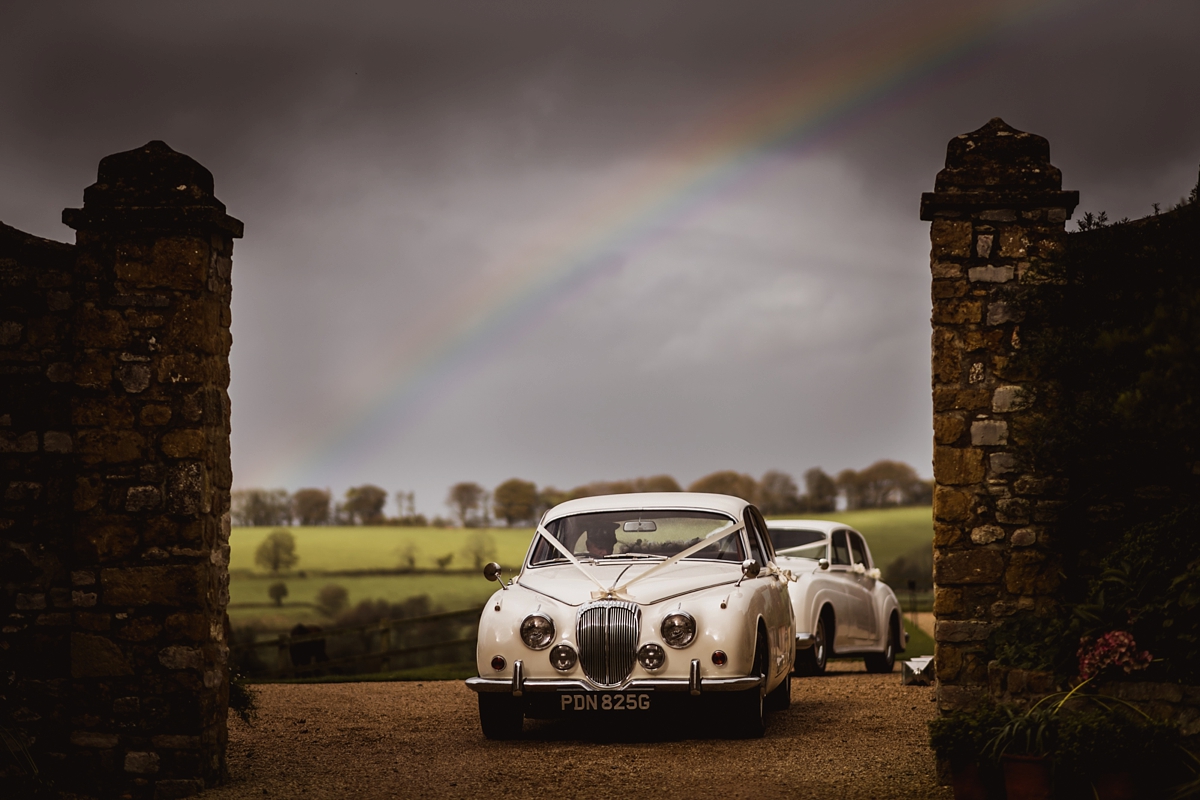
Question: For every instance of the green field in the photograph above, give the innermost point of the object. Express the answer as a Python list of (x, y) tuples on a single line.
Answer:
[(332, 549), (890, 532), (446, 593)]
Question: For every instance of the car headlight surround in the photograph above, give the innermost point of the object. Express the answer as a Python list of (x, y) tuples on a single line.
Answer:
[(651, 656), (563, 657), (537, 631), (678, 629)]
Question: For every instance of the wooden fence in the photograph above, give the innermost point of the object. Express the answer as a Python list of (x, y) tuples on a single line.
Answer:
[(382, 646)]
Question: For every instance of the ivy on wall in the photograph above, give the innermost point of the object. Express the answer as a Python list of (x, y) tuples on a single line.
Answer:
[(1112, 332)]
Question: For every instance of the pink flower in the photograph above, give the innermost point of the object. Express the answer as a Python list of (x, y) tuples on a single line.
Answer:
[(1113, 649)]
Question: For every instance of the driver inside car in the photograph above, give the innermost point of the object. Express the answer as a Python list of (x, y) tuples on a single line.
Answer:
[(601, 543)]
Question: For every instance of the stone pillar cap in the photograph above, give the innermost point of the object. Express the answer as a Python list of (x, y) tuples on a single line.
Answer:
[(152, 187), (996, 166)]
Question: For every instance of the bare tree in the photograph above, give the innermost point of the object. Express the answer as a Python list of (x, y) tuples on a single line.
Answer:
[(408, 556), (479, 548), (277, 552), (464, 500), (406, 506)]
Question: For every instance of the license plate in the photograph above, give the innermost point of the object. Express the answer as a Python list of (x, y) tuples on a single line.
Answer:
[(604, 701)]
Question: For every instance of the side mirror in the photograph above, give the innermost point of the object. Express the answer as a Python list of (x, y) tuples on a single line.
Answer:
[(491, 571), (823, 563), (750, 569)]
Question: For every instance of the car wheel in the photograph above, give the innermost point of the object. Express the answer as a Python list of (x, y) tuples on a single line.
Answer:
[(812, 660), (780, 698), (500, 715), (748, 706), (885, 661)]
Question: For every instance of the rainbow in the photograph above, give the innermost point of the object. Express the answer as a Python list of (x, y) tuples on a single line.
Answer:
[(861, 73)]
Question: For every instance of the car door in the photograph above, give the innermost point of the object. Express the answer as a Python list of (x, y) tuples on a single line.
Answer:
[(862, 588), (780, 628), (847, 613)]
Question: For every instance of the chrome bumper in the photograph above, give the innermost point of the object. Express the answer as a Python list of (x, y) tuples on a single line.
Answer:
[(517, 685), (805, 640)]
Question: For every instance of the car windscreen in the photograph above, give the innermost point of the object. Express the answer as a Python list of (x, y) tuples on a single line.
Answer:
[(639, 534), (787, 538)]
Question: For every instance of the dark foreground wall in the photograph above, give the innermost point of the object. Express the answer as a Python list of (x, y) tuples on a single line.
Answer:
[(115, 476)]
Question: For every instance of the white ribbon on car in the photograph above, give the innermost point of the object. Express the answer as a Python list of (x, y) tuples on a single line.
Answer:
[(562, 548), (707, 541), (615, 592)]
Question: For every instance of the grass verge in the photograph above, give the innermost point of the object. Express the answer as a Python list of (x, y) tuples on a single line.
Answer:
[(920, 643), (438, 672)]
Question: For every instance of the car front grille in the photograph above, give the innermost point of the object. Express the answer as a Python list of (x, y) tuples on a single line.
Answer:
[(608, 637)]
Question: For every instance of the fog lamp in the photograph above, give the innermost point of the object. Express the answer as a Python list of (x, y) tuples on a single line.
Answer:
[(498, 663), (563, 657), (719, 658), (651, 656), (537, 631)]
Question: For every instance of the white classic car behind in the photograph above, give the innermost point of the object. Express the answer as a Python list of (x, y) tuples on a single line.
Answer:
[(840, 604), (635, 603)]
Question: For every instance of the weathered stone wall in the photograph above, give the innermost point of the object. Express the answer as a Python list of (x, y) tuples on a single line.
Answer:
[(114, 525), (998, 214), (36, 484)]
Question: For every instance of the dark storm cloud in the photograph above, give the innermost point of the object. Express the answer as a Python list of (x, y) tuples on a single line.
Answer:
[(386, 156)]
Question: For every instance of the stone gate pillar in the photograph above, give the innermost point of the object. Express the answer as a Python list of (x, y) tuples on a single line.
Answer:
[(999, 215), (150, 423)]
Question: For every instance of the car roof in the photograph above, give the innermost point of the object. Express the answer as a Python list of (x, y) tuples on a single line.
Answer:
[(689, 501), (825, 526)]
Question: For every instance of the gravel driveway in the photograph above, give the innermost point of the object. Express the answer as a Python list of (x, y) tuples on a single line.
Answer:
[(847, 735)]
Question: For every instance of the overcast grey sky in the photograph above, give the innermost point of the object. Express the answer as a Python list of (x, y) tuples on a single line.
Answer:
[(572, 242)]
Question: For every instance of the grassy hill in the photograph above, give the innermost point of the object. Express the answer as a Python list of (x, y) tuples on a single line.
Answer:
[(890, 532), (322, 550), (334, 549)]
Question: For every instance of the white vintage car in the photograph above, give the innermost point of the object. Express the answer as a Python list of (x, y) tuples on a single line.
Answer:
[(841, 606), (638, 602)]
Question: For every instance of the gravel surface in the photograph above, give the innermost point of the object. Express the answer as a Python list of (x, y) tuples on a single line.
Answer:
[(848, 734)]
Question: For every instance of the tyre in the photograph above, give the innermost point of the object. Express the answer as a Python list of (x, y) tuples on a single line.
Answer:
[(500, 715), (812, 660), (780, 698), (748, 706), (884, 662)]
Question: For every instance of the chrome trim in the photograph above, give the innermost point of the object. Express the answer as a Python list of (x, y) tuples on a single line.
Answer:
[(518, 679), (607, 633), (805, 640), (694, 677), (537, 685)]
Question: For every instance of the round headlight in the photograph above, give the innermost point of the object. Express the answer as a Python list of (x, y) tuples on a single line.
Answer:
[(678, 629), (562, 658), (651, 656), (537, 631)]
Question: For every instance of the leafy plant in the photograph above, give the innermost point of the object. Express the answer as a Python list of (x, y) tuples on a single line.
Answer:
[(1032, 732), (962, 736), (241, 699)]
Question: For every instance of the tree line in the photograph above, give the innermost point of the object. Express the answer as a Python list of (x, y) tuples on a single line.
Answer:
[(521, 502)]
